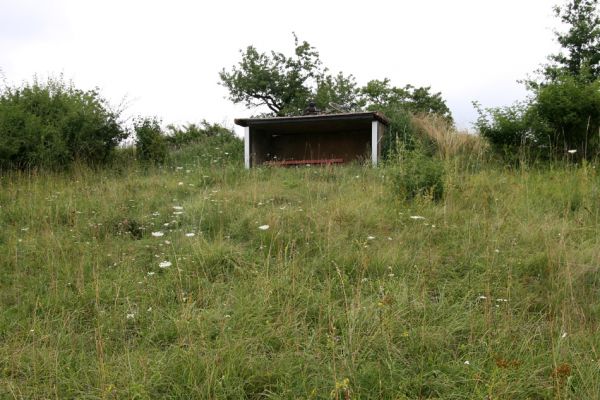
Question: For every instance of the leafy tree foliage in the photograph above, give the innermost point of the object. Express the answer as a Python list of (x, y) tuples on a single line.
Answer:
[(563, 111), (581, 42), (380, 95), (339, 91), (52, 124), (277, 81), (286, 84)]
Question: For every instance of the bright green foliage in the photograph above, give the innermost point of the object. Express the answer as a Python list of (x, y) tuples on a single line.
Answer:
[(418, 174), (150, 142), (581, 42), (53, 124)]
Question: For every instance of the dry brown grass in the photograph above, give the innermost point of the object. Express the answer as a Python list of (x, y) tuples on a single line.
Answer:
[(447, 141)]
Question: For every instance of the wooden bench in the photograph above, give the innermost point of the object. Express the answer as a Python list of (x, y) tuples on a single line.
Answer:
[(327, 161)]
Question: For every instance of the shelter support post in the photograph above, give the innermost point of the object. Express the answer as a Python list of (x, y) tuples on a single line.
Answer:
[(374, 142), (247, 147)]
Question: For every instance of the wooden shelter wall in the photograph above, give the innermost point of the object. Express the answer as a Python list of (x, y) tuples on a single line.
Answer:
[(349, 146), (259, 147)]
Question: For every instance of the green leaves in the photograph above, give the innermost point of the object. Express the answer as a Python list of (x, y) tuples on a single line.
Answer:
[(580, 57), (274, 80), (53, 124), (563, 112)]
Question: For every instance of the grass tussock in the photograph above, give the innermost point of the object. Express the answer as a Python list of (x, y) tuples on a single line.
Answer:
[(199, 280), (446, 140)]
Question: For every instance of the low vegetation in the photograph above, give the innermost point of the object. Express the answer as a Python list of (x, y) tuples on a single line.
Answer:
[(198, 279)]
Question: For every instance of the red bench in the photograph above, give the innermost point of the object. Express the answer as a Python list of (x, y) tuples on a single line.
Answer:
[(327, 161)]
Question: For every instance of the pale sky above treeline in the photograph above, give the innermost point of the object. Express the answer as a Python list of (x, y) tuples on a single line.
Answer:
[(163, 58)]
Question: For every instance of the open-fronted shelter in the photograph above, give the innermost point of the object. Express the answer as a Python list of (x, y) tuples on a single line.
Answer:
[(313, 139)]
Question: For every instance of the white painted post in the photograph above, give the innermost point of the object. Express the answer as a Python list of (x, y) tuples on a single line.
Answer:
[(247, 147), (374, 142)]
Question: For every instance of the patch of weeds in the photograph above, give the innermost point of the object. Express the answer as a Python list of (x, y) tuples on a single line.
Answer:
[(418, 175)]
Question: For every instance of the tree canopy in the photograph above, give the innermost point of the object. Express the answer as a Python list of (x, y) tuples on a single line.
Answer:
[(580, 55), (285, 85), (277, 81)]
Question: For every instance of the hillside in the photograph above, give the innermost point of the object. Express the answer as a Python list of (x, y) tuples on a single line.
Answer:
[(194, 281)]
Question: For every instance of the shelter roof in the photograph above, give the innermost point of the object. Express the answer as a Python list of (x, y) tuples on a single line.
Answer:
[(311, 119)]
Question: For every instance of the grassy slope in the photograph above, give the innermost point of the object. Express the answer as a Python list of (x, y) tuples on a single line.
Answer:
[(495, 293)]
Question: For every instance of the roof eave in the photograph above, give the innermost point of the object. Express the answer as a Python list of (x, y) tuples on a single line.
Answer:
[(245, 122)]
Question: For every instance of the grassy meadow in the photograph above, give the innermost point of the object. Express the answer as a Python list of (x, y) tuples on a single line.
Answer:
[(202, 280)]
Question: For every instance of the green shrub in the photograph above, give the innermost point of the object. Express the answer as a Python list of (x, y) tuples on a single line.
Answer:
[(204, 144), (53, 124), (195, 133), (150, 143), (417, 174), (571, 110)]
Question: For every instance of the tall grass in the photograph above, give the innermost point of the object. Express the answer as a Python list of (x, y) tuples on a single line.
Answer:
[(446, 140), (492, 292)]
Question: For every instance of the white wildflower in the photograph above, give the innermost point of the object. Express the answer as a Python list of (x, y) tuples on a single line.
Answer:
[(572, 151), (416, 217), (467, 362), (158, 234), (165, 264), (263, 227), (191, 234), (564, 335), (370, 237), (180, 183), (151, 273), (178, 208), (130, 316)]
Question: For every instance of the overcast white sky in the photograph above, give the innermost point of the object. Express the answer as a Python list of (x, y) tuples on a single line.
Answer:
[(164, 56)]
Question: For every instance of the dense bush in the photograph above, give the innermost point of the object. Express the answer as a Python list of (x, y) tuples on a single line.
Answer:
[(570, 109), (150, 143), (563, 112), (204, 144), (179, 136), (562, 115), (418, 174), (52, 124)]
